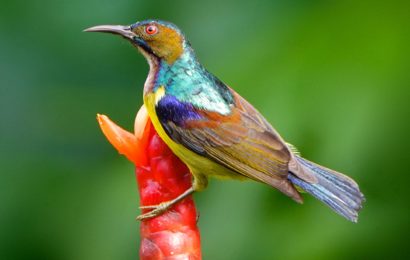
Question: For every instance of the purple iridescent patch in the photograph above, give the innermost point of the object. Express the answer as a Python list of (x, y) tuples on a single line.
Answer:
[(169, 108)]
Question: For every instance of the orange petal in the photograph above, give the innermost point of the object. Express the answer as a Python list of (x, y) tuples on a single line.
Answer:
[(125, 142)]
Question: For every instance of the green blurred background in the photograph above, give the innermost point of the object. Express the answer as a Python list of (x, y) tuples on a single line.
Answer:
[(333, 78)]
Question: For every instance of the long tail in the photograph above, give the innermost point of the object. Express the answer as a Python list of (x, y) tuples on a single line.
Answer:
[(336, 190)]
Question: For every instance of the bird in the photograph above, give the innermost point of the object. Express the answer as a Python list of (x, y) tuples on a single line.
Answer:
[(216, 132)]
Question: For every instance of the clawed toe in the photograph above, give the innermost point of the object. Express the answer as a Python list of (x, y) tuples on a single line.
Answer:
[(159, 209), (149, 206), (156, 210)]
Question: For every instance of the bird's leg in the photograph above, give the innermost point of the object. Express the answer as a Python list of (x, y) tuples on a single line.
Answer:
[(163, 206)]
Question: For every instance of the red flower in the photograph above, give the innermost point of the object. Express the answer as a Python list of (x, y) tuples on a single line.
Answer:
[(161, 177)]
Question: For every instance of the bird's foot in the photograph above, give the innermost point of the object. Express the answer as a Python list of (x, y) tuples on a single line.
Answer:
[(156, 210), (162, 207)]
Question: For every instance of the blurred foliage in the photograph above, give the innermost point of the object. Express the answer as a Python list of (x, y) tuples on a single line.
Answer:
[(332, 76)]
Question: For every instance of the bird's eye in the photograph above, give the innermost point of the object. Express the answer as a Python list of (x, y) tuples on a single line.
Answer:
[(151, 29)]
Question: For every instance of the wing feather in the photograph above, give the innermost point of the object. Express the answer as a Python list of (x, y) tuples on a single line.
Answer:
[(242, 141)]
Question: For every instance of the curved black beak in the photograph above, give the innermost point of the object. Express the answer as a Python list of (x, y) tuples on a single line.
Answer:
[(122, 30)]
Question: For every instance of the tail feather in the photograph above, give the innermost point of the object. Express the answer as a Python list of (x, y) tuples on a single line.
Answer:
[(336, 190)]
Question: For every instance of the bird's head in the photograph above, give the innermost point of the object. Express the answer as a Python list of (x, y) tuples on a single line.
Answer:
[(155, 39)]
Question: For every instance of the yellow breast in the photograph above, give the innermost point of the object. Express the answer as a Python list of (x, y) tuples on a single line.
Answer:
[(187, 156), (150, 101)]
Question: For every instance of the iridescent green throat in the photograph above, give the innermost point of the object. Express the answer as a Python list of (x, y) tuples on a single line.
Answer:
[(188, 81)]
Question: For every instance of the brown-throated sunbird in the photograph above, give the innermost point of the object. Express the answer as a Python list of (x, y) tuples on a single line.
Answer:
[(215, 131)]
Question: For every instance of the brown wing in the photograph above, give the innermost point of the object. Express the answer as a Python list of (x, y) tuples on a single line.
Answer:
[(242, 141)]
